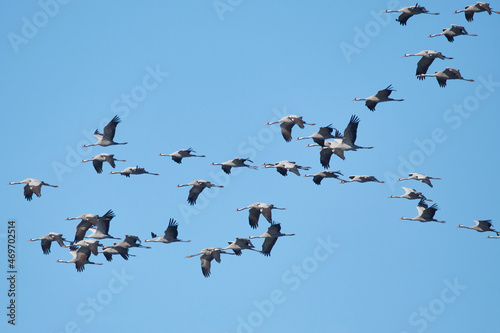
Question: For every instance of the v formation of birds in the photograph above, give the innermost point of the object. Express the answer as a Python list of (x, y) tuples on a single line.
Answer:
[(83, 245)]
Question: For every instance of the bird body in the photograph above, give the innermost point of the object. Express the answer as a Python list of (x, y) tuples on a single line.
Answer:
[(80, 258), (423, 64), (447, 74), (380, 96), (410, 194), (284, 166), (319, 176), (98, 160), (198, 186), (361, 179), (33, 186), (206, 257), (425, 213), (180, 154), (454, 31), (287, 123), (320, 136), (131, 241), (420, 177), (478, 7), (110, 251), (133, 171), (271, 236), (239, 245), (407, 12), (257, 208), (106, 139), (47, 240), (481, 226), (170, 234), (89, 220), (235, 163)]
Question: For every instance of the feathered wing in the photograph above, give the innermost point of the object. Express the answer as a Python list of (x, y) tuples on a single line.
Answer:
[(109, 129)]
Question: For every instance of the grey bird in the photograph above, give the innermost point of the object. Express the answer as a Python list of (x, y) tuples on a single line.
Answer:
[(177, 156), (427, 59), (106, 139), (98, 161), (169, 236), (271, 236), (381, 96), (256, 209), (47, 240), (197, 187), (287, 123), (33, 186)]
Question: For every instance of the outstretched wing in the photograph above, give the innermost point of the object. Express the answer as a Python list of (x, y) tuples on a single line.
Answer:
[(351, 130), (403, 18), (194, 192), (422, 66), (171, 232), (286, 130), (109, 129)]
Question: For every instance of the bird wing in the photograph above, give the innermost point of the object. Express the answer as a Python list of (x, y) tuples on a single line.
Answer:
[(428, 213), (282, 170), (28, 193), (326, 131), (97, 165), (81, 230), (108, 256), (266, 212), (253, 217), (485, 6), (171, 232), (177, 159), (194, 192), (286, 130), (317, 179), (46, 245), (267, 245), (108, 215), (384, 93), (111, 160), (205, 264), (103, 225), (324, 157), (421, 207), (351, 130), (226, 168), (109, 129), (59, 240), (299, 121), (441, 81), (484, 224), (82, 256), (371, 104), (469, 16), (423, 65), (403, 18)]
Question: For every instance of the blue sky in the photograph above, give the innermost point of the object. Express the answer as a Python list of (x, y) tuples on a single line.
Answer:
[(209, 76)]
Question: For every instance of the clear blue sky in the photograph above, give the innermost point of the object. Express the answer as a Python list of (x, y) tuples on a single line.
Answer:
[(209, 75)]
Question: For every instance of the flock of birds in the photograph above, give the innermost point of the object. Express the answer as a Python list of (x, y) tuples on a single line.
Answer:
[(84, 245)]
